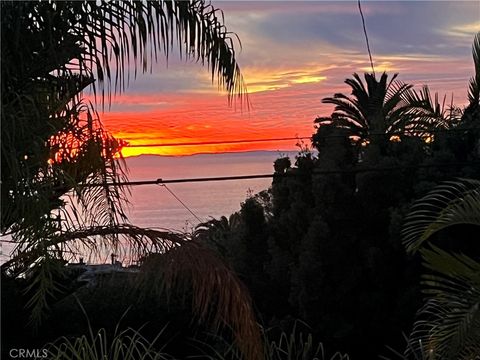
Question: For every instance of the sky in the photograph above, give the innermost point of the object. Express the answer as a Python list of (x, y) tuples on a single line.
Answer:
[(292, 55)]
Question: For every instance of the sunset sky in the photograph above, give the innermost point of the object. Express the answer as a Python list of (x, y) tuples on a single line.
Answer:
[(294, 54)]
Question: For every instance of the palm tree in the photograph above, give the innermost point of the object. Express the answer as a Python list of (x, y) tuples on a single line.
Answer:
[(437, 118), (378, 110), (52, 51), (52, 140), (448, 325), (472, 111), (469, 124), (214, 232), (373, 111), (55, 152)]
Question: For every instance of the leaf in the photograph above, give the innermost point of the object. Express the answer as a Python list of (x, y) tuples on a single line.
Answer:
[(448, 325), (453, 202)]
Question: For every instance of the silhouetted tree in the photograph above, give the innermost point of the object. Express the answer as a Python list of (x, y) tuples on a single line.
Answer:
[(447, 326), (53, 142), (375, 110)]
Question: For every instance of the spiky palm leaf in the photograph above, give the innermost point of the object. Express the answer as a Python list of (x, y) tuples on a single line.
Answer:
[(448, 325), (428, 113), (454, 202), (471, 114), (377, 108), (134, 31), (217, 225), (374, 107), (215, 231), (474, 85), (112, 39)]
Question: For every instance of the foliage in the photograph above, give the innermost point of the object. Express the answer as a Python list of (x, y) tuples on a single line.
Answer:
[(218, 295), (57, 157), (177, 265), (294, 344), (131, 344), (127, 344), (52, 139), (453, 202), (378, 110), (324, 244), (332, 223), (448, 325), (474, 84), (374, 108)]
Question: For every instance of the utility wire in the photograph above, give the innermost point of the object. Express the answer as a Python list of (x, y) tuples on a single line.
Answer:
[(287, 174), (219, 142), (432, 131), (184, 180), (366, 37), (181, 202)]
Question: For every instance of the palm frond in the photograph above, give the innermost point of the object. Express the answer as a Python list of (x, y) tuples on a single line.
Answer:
[(346, 107), (424, 111), (448, 325), (134, 33), (377, 91), (359, 92), (394, 95), (378, 107), (55, 143), (175, 264), (33, 259), (62, 46), (454, 202), (474, 84), (218, 295), (44, 286)]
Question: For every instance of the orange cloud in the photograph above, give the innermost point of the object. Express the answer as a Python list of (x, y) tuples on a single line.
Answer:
[(206, 119)]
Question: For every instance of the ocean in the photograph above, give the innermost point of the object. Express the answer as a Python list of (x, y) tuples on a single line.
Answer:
[(154, 206)]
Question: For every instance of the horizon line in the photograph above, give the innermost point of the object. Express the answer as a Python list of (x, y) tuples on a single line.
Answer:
[(215, 153)]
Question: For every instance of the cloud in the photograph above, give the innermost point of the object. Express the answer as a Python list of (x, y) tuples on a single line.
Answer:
[(294, 54), (464, 30)]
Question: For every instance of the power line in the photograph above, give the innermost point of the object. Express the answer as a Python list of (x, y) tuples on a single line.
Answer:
[(218, 142), (287, 174), (184, 180), (181, 202), (366, 37)]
